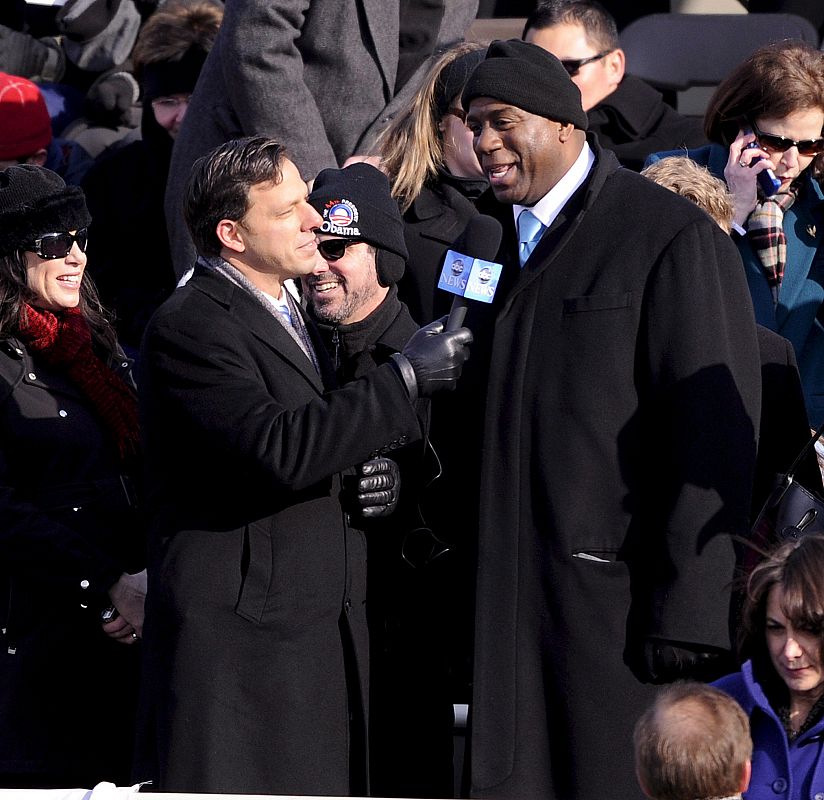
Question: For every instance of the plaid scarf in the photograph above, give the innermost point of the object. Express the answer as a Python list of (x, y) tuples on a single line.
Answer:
[(64, 341), (765, 231)]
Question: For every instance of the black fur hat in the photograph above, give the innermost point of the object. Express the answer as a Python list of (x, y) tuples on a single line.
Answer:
[(34, 201), (355, 203)]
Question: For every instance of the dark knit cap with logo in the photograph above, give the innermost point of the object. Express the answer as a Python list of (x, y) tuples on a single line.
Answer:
[(527, 76), (34, 201), (355, 203)]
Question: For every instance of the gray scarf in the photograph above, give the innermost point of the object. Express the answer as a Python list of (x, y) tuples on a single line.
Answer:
[(297, 329)]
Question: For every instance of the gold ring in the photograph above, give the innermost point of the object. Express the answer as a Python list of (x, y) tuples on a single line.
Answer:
[(741, 164)]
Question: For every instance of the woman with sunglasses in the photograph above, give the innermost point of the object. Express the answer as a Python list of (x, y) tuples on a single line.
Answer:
[(71, 550), (781, 682), (768, 115)]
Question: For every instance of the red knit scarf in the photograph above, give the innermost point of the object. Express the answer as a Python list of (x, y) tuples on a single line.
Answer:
[(64, 341)]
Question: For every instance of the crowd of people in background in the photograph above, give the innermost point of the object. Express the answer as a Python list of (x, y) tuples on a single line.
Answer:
[(272, 501)]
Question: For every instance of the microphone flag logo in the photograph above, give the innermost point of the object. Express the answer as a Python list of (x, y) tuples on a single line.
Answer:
[(472, 278)]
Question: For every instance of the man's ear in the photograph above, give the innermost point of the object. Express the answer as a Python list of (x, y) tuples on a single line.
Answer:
[(641, 784), (565, 131), (230, 235), (38, 157), (616, 63), (746, 774)]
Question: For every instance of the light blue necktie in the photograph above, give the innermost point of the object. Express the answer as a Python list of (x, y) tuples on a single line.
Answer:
[(530, 229)]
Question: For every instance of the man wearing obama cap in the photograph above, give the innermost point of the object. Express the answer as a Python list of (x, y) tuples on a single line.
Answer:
[(353, 298), (621, 375)]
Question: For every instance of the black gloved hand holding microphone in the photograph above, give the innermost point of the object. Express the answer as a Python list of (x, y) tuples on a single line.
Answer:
[(433, 358)]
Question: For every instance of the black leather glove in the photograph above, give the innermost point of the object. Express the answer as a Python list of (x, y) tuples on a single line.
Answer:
[(110, 99), (36, 59), (661, 661), (378, 487), (433, 358)]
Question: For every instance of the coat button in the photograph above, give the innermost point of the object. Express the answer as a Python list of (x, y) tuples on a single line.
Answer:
[(779, 785), (32, 376), (84, 584), (818, 796), (63, 412), (18, 351)]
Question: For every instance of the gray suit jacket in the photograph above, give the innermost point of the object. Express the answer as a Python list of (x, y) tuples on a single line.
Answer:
[(317, 75)]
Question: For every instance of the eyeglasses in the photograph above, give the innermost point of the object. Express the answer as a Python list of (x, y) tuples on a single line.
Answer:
[(59, 245), (169, 106), (780, 144), (333, 249), (573, 65)]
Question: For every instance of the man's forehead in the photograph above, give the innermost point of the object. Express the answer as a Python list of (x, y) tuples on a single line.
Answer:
[(491, 105)]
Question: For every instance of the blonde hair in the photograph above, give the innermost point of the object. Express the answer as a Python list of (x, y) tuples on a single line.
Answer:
[(411, 148), (680, 174)]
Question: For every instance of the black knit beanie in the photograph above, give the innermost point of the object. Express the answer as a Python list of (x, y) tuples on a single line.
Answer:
[(165, 78), (453, 78), (355, 203), (529, 77), (34, 201)]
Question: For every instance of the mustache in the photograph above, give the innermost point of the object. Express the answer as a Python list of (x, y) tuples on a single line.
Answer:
[(324, 277)]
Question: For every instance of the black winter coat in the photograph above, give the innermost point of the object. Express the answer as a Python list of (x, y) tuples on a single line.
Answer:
[(618, 456), (255, 628), (69, 530), (410, 707)]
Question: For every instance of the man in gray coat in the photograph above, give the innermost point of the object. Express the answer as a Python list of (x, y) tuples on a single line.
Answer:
[(321, 76)]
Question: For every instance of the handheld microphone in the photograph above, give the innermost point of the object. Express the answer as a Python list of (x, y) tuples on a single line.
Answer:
[(467, 271)]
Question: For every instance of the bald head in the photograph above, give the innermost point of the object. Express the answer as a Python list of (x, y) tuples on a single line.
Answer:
[(692, 743)]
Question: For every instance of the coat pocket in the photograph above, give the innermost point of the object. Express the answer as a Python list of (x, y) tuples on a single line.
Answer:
[(256, 571), (597, 302)]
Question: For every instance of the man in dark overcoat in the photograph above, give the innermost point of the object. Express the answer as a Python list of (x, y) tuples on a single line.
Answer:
[(618, 442), (322, 76), (256, 667), (352, 295)]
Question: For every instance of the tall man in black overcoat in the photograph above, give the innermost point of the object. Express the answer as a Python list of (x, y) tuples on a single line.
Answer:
[(618, 443), (256, 648)]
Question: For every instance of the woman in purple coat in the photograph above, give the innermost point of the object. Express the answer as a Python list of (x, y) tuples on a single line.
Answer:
[(781, 684)]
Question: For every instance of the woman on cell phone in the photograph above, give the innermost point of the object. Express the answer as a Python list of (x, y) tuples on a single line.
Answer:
[(765, 120)]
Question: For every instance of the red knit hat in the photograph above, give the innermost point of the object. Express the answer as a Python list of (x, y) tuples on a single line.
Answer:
[(25, 125)]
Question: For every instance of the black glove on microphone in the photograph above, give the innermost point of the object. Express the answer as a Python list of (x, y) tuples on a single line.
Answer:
[(661, 661), (377, 488), (436, 358)]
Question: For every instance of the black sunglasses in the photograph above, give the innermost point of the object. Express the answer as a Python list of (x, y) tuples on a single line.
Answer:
[(58, 245), (573, 65), (333, 249), (780, 144)]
